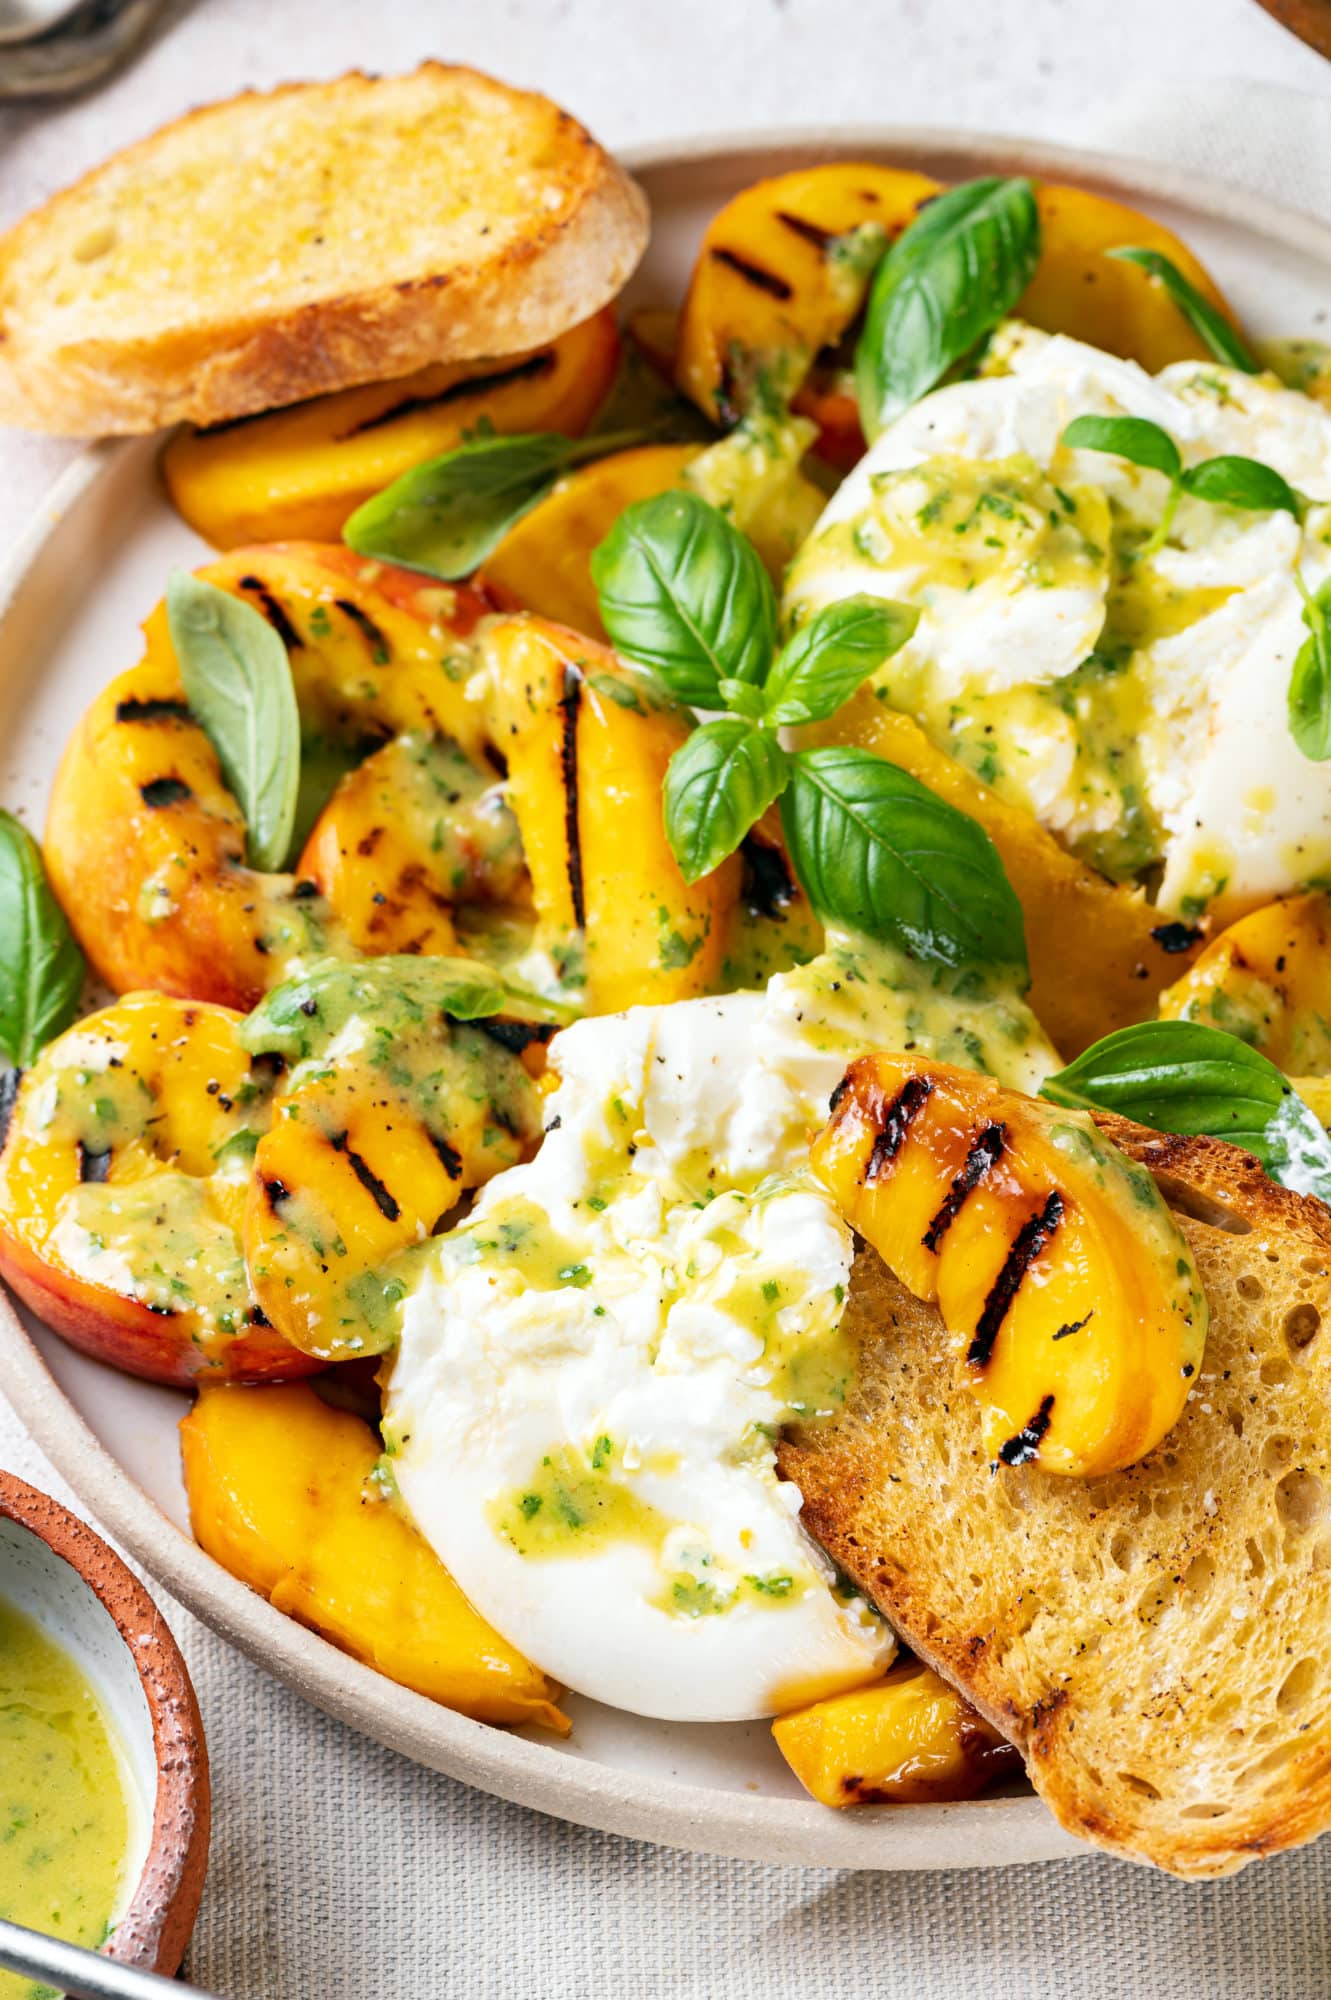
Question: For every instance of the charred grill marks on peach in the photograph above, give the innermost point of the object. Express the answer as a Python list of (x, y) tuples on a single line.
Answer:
[(273, 612), (164, 792), (810, 232), (1035, 1234), (754, 274), (153, 710), (373, 636), (1019, 1450), (530, 370), (984, 1154), (570, 703), (383, 1198), (896, 1122)]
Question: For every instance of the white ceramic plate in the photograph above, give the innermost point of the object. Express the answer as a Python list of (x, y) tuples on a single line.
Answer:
[(92, 565)]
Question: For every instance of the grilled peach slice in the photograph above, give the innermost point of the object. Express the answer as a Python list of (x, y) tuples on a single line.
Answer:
[(587, 744), (543, 563), (785, 267), (908, 1739), (1099, 953), (1071, 1293), (392, 1110), (122, 1184), (298, 474), (283, 1493), (145, 845), (782, 272), (1079, 290), (412, 833), (1267, 979), (772, 926)]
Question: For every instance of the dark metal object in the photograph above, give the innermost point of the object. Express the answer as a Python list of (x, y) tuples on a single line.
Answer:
[(49, 49), (83, 1975)]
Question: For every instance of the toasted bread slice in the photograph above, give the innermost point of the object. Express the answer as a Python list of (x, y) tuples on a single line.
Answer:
[(279, 245), (1155, 1641)]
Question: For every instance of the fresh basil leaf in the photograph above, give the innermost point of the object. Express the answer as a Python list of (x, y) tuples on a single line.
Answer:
[(1309, 699), (741, 698), (721, 779), (41, 967), (446, 516), (237, 680), (685, 595), (302, 1016), (1232, 481), (1180, 1076), (877, 850), (945, 283), (818, 670), (1135, 438), (1210, 326)]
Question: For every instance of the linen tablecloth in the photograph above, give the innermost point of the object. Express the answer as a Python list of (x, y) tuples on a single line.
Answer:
[(340, 1871)]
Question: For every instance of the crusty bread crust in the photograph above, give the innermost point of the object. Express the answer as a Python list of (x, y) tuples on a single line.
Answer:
[(288, 243), (1154, 1641)]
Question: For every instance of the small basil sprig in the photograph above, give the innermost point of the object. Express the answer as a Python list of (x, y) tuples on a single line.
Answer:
[(876, 849), (719, 782), (41, 967), (1226, 481), (943, 286), (682, 594), (446, 516), (237, 680), (1309, 699), (1181, 1076), (1210, 326)]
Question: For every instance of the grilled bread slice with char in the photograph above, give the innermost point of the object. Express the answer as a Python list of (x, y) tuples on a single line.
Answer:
[(1157, 1642), (282, 244)]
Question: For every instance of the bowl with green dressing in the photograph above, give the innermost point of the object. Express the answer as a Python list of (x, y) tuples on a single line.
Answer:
[(104, 1795)]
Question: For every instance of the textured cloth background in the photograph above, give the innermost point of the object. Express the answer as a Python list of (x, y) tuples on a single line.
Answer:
[(339, 1871)]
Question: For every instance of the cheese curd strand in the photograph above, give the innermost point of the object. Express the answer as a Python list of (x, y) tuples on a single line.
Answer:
[(1135, 704), (593, 1368)]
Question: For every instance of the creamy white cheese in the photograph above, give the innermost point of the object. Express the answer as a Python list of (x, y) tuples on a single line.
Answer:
[(593, 1368), (1137, 703)]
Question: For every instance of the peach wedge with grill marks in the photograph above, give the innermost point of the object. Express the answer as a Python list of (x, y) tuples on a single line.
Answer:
[(587, 743), (391, 1110), (908, 1739), (1267, 979), (298, 474), (1071, 1294), (122, 1185), (144, 843)]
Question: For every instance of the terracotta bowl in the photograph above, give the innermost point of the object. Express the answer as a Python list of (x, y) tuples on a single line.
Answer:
[(65, 1578)]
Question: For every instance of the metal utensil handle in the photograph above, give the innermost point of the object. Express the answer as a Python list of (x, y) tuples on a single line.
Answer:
[(84, 1975)]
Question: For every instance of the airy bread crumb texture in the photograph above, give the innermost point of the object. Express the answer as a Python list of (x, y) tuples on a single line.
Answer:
[(277, 245), (1154, 1641)]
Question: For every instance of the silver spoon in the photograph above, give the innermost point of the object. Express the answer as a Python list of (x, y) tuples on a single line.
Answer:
[(25, 20), (83, 1975), (97, 37)]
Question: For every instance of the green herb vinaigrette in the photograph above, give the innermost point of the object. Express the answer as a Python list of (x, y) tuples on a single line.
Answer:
[(582, 1497), (153, 1232), (65, 1821), (963, 524)]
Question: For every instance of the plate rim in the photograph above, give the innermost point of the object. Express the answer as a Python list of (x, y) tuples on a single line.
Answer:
[(522, 1769)]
